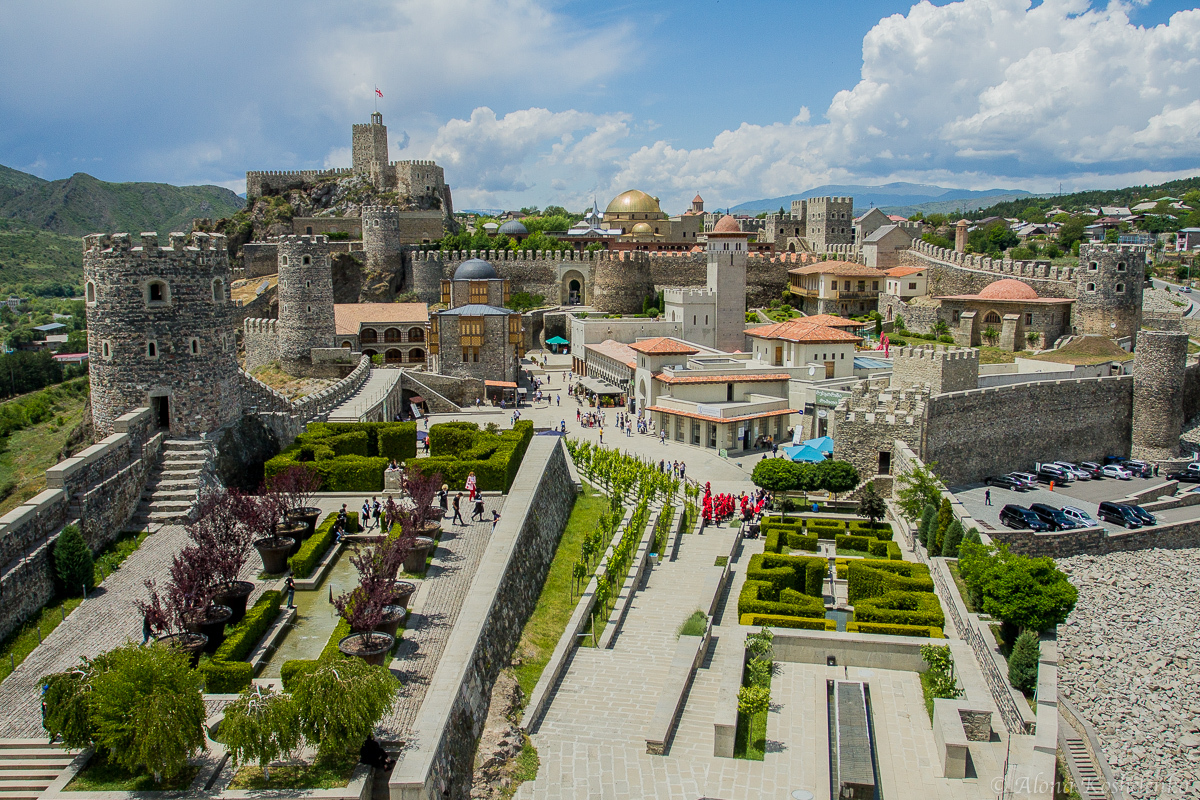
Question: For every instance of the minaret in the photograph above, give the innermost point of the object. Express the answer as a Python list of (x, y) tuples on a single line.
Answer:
[(727, 250)]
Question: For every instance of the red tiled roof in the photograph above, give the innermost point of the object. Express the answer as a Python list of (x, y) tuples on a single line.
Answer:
[(706, 418), (830, 321), (663, 346), (900, 272), (1009, 290), (673, 379), (843, 268), (800, 330), (348, 317), (618, 351), (727, 224)]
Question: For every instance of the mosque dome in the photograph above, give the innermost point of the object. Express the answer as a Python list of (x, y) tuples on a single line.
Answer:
[(1008, 289), (513, 228), (633, 202), (727, 224), (643, 228), (475, 269)]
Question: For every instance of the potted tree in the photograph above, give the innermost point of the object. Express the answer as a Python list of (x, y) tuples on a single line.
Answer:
[(296, 486), (222, 531), (422, 490), (164, 614), (364, 607), (410, 549), (193, 587)]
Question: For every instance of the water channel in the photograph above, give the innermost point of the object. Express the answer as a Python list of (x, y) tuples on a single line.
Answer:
[(315, 617)]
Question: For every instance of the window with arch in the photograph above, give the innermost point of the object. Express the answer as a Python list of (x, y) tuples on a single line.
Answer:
[(1120, 266), (194, 346), (91, 292), (368, 336), (416, 335), (106, 350), (218, 290), (1094, 266), (392, 335), (1120, 288), (992, 318), (158, 293), (283, 261), (1091, 287), (306, 260), (347, 345), (151, 349)]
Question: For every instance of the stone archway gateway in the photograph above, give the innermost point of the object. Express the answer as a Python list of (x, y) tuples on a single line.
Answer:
[(573, 288)]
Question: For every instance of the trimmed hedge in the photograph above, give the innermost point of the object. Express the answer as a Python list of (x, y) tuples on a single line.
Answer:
[(781, 621), (789, 586), (849, 542), (797, 541), (875, 578), (921, 631), (226, 672), (460, 449), (349, 456), (888, 550), (313, 550), (901, 608)]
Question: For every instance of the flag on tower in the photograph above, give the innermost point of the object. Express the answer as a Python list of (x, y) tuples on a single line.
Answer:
[(377, 92)]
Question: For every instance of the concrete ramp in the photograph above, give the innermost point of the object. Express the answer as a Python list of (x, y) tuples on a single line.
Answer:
[(377, 400)]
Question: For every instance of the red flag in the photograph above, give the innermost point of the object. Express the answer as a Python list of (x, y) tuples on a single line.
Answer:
[(378, 92)]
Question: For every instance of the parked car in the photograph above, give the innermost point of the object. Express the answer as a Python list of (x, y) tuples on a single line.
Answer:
[(1140, 469), (1079, 515), (1119, 514), (1114, 460), (1028, 478), (1185, 477), (1006, 482), (1076, 472), (1056, 519), (1146, 517), (1020, 517), (1116, 471), (1092, 467), (1050, 472)]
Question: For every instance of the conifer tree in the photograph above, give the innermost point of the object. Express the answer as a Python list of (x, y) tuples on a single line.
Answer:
[(928, 521), (954, 537), (945, 516), (1023, 662), (73, 561)]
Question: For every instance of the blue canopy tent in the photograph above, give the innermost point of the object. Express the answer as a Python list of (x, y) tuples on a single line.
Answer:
[(804, 453), (822, 443)]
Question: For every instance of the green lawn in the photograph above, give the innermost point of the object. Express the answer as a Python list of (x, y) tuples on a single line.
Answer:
[(330, 774), (27, 454), (846, 551), (750, 738), (101, 776), (962, 587), (21, 642), (556, 602)]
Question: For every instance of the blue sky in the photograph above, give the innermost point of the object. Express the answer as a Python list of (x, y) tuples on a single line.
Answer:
[(530, 102)]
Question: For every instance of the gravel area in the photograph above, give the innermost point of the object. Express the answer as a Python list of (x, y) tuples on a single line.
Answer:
[(1162, 301), (1130, 661)]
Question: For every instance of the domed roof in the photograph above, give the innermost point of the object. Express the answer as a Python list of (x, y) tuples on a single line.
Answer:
[(643, 227), (633, 201), (1008, 289), (514, 228), (475, 269), (727, 224)]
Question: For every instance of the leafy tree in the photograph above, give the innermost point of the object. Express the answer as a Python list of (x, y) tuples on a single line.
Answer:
[(918, 488), (775, 475), (752, 701), (1023, 662), (524, 301), (73, 561), (555, 211), (944, 518), (928, 524), (940, 328), (1023, 592), (341, 701), (940, 675), (954, 537), (260, 726), (760, 644), (936, 220), (837, 476), (872, 506), (1071, 230), (991, 335)]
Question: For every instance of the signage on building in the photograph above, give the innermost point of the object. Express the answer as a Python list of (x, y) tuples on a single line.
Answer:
[(829, 398), (708, 411)]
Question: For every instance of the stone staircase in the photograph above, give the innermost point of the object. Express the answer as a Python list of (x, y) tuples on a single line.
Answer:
[(173, 486), (29, 766), (1088, 781)]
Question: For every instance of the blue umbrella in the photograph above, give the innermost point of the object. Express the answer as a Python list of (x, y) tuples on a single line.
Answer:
[(804, 453), (822, 443)]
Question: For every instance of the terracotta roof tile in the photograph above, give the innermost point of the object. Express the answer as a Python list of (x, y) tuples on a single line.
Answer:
[(618, 351), (705, 417), (800, 330), (900, 272), (663, 346), (843, 268), (830, 321), (347, 317)]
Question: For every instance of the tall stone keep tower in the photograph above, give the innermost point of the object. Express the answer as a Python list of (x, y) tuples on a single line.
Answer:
[(727, 249), (384, 271), (369, 147), (1108, 299), (160, 331), (305, 296), (1158, 393)]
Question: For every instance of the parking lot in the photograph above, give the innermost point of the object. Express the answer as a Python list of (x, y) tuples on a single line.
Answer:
[(1085, 495)]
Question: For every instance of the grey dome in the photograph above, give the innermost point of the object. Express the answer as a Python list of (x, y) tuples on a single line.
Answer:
[(513, 228), (475, 269)]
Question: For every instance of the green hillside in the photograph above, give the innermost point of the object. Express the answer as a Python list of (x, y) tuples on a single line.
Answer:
[(34, 262), (82, 204), (1080, 201)]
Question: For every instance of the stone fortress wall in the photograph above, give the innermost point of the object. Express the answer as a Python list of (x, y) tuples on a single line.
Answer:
[(1159, 380), (952, 272), (939, 369), (305, 296)]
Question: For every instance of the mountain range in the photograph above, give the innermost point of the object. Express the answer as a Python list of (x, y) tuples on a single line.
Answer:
[(894, 198)]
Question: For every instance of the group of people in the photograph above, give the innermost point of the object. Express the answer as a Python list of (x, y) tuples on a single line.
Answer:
[(473, 495), (590, 419)]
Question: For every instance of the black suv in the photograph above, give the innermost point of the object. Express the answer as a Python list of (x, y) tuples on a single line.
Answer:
[(1145, 516), (1020, 517), (1055, 518), (1005, 482), (1119, 514)]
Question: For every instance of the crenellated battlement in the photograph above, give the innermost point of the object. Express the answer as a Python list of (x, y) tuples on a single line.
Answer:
[(939, 353), (117, 245), (381, 211), (414, 163), (268, 327), (300, 173), (1043, 270), (300, 239)]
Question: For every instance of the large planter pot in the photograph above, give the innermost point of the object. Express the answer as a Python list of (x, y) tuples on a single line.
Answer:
[(402, 593), (296, 531), (414, 562), (392, 617), (211, 625), (430, 529), (274, 551), (191, 643), (308, 515), (234, 594), (373, 650)]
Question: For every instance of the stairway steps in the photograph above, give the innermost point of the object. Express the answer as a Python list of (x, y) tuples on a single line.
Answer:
[(40, 772)]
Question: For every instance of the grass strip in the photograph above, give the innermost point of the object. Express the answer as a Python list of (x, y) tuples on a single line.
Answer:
[(962, 587), (102, 776), (321, 774), (17, 646)]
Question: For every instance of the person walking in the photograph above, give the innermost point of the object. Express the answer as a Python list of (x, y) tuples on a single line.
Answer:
[(987, 497), (366, 515), (376, 510), (477, 512), (471, 486), (458, 520), (291, 591), (443, 499), (495, 519), (146, 630), (602, 436)]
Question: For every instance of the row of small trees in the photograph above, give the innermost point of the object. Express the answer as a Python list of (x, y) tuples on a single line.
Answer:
[(783, 475)]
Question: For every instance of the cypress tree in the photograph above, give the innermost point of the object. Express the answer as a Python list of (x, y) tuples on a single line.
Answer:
[(945, 516), (928, 520), (972, 537), (73, 561), (1023, 662), (954, 537)]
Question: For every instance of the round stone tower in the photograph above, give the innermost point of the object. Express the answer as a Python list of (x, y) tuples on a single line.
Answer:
[(622, 281), (383, 272), (1158, 394), (1108, 298), (428, 269), (160, 331), (305, 296)]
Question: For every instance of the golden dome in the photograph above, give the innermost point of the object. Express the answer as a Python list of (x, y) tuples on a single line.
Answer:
[(642, 228), (632, 202)]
